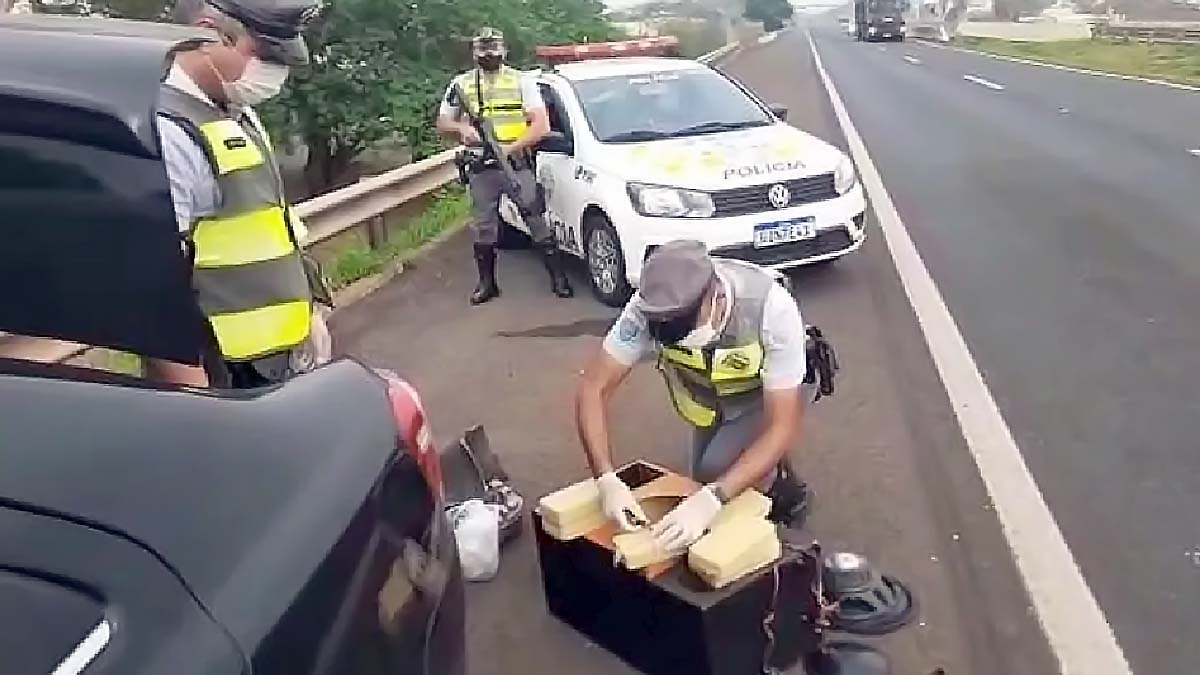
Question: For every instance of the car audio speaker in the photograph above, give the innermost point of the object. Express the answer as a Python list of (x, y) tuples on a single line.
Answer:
[(865, 602)]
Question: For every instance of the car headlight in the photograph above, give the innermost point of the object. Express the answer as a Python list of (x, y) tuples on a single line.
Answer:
[(872, 30), (666, 202), (844, 177)]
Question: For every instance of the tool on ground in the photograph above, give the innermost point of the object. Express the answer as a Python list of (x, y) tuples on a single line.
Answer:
[(471, 470)]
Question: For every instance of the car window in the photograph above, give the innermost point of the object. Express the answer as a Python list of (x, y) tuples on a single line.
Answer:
[(558, 118), (632, 108)]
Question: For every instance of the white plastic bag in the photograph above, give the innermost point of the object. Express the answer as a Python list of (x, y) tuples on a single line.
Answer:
[(477, 532)]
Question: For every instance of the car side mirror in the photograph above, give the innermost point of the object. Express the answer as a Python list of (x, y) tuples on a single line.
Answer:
[(780, 111), (556, 141)]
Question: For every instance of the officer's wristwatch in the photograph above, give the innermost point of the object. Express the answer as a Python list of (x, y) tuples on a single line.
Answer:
[(719, 492)]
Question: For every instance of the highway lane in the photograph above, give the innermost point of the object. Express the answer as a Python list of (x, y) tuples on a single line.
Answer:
[(892, 476), (1058, 216)]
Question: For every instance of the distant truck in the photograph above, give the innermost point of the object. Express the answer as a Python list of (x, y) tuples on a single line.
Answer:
[(879, 20)]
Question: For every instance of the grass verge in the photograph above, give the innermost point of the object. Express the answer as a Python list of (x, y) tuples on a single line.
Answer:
[(1172, 63), (450, 208)]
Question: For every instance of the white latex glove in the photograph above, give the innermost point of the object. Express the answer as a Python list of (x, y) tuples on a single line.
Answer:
[(617, 501), (687, 522)]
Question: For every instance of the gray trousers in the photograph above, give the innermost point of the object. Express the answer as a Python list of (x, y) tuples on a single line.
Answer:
[(486, 188), (715, 449)]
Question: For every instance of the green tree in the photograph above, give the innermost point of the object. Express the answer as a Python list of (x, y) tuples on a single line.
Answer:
[(772, 13), (380, 67)]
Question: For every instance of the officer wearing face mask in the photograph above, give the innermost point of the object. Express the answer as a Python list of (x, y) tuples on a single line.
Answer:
[(731, 345), (249, 274), (513, 104)]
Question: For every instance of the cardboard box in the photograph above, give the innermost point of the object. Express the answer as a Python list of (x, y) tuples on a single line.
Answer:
[(668, 622)]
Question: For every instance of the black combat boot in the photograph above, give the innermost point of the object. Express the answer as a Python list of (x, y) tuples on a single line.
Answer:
[(553, 259), (789, 498), (485, 262)]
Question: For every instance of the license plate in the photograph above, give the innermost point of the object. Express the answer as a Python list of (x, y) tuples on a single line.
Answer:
[(773, 234)]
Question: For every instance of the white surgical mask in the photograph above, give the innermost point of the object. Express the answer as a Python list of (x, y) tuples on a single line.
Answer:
[(260, 81), (699, 338), (704, 335)]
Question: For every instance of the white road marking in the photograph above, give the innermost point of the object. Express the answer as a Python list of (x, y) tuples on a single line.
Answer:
[(85, 652), (912, 59), (1069, 69), (1195, 151), (987, 83), (1074, 625)]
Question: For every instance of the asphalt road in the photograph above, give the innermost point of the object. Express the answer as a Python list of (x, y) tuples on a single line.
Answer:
[(892, 476), (1057, 213)]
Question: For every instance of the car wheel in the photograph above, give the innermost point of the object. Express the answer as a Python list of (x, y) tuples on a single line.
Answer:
[(606, 262)]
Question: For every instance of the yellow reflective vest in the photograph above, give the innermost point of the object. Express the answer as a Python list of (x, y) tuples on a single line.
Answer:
[(496, 98), (249, 277), (719, 382)]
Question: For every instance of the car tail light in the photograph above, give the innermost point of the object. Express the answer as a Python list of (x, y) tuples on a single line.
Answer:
[(412, 427)]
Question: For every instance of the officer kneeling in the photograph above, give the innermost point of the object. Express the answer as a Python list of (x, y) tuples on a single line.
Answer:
[(734, 351), (511, 102)]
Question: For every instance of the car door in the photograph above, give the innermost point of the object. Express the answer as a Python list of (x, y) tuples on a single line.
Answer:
[(562, 177), (77, 599)]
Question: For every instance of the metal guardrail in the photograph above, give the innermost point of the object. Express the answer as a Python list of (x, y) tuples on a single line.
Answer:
[(929, 30), (334, 213), (1161, 32), (325, 216)]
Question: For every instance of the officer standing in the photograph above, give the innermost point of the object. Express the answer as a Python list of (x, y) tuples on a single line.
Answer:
[(732, 347), (511, 101), (249, 275)]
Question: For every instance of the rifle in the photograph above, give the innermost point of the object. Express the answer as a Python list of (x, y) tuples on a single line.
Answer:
[(492, 152)]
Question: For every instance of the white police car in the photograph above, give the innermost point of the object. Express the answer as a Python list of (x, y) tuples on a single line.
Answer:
[(648, 150)]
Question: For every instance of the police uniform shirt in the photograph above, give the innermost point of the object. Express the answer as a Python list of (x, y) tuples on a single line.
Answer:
[(783, 337), (531, 98)]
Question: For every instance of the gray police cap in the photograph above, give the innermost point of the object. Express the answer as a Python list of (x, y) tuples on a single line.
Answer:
[(674, 279)]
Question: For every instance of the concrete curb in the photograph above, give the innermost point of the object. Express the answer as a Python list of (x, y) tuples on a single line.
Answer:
[(1069, 69)]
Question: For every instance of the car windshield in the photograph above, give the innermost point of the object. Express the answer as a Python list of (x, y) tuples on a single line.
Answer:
[(632, 108)]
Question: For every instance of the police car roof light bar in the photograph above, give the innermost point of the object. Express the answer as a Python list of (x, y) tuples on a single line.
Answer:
[(552, 55)]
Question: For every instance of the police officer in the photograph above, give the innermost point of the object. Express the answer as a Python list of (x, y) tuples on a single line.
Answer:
[(731, 345), (250, 278), (513, 104)]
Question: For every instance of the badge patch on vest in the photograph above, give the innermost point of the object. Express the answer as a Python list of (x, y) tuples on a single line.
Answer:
[(736, 361), (235, 143)]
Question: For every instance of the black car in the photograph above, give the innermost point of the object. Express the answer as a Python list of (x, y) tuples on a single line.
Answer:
[(157, 529)]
